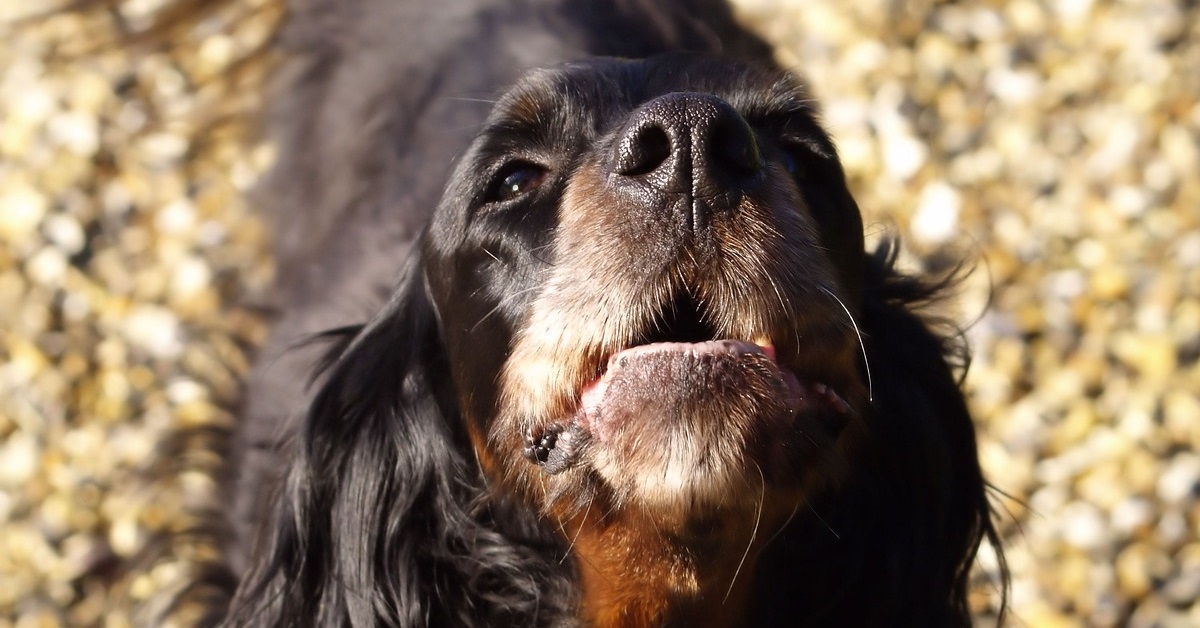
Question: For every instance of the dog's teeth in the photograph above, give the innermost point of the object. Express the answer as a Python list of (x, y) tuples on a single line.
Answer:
[(535, 454), (539, 443)]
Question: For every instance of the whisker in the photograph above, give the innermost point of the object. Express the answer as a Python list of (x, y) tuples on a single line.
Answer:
[(582, 522), (535, 251), (818, 516), (575, 538), (783, 302), (783, 527), (861, 344), (762, 497), (499, 305), (488, 101)]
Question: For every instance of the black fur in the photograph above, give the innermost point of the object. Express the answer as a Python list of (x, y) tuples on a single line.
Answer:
[(383, 516)]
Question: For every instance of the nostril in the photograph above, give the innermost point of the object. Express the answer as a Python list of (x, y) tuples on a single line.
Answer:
[(643, 151), (732, 146)]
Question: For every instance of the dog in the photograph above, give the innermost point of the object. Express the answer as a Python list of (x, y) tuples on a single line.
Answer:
[(638, 368)]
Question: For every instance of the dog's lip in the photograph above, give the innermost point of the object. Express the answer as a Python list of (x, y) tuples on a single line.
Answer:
[(804, 394)]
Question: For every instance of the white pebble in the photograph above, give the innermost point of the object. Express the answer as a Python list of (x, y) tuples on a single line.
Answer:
[(1172, 528), (1181, 479), (1064, 284), (153, 329), (936, 217), (32, 104), (177, 218), (116, 199), (1071, 10), (1188, 249), (1083, 526), (21, 210), (164, 148), (1184, 589), (183, 391), (1119, 138), (124, 536), (76, 306), (18, 459), (210, 233), (64, 230), (48, 267), (75, 131), (1129, 201), (190, 277), (903, 155), (1131, 514), (1049, 498), (1013, 87)]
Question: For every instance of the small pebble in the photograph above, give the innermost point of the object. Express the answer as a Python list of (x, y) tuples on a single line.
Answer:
[(936, 217), (1181, 479), (154, 330)]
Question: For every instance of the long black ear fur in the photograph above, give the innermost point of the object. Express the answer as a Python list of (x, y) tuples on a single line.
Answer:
[(924, 484), (384, 518), (895, 546)]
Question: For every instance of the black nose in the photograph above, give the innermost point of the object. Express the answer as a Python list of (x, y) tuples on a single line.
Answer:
[(688, 145)]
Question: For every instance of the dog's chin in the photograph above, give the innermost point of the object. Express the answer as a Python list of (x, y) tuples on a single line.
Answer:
[(691, 428)]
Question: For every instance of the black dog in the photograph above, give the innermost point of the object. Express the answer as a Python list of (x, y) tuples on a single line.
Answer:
[(638, 369)]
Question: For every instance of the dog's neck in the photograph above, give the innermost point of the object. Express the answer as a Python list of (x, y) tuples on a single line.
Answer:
[(634, 574)]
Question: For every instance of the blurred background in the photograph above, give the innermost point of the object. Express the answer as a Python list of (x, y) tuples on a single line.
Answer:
[(1054, 144)]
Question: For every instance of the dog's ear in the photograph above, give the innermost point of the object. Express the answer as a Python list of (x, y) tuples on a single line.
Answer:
[(383, 505), (926, 492), (895, 545)]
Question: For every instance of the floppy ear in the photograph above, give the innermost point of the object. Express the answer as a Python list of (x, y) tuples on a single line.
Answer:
[(383, 517), (926, 489), (895, 545)]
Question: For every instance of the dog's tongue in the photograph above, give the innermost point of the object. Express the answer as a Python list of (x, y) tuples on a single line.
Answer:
[(659, 381)]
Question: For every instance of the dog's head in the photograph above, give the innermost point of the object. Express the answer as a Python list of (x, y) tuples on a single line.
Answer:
[(646, 273), (637, 334)]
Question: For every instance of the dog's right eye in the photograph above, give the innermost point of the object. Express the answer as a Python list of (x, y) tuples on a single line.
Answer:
[(513, 180), (793, 160)]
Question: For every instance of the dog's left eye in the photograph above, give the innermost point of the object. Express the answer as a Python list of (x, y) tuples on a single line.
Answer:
[(792, 161), (513, 180)]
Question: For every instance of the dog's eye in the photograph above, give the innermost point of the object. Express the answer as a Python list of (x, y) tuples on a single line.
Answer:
[(513, 180), (793, 161)]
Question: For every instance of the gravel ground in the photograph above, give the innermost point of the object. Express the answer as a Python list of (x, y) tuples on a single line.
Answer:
[(1056, 143)]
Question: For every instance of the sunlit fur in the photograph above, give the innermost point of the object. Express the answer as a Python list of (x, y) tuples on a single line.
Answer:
[(407, 499)]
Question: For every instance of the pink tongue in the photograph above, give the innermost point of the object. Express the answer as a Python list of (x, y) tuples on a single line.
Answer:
[(667, 381), (593, 394)]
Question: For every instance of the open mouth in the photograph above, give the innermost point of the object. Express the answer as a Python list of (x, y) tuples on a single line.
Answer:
[(681, 379), (646, 376)]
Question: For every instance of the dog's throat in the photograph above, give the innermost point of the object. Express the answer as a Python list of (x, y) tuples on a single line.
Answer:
[(635, 576)]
